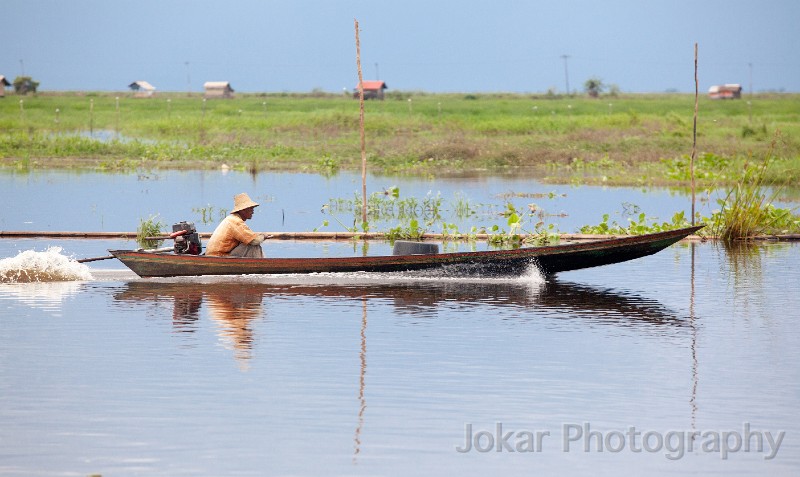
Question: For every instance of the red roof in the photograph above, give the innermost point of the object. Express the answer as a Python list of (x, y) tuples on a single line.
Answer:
[(376, 85)]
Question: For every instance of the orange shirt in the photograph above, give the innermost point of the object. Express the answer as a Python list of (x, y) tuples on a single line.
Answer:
[(229, 233)]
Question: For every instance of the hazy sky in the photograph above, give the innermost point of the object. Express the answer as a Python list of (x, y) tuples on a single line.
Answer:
[(431, 45)]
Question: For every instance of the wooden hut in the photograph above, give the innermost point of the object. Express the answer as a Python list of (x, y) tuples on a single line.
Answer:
[(3, 83), (142, 89), (725, 91), (217, 89), (372, 90)]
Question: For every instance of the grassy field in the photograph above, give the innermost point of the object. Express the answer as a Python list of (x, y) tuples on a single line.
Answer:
[(630, 139)]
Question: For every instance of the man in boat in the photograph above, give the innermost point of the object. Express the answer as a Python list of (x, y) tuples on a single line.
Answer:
[(232, 237)]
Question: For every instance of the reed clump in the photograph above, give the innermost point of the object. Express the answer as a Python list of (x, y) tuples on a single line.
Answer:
[(747, 210), (150, 227)]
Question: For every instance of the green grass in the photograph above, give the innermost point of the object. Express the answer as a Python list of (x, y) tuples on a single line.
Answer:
[(631, 139)]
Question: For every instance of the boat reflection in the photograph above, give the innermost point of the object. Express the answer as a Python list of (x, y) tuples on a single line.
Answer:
[(234, 307), (186, 310), (237, 303)]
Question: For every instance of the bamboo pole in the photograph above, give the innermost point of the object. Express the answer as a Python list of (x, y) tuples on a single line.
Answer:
[(361, 128), (91, 117), (694, 130)]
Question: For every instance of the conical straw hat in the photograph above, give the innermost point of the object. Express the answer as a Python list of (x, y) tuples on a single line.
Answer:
[(242, 201)]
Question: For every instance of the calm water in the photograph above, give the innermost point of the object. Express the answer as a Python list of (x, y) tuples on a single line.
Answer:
[(59, 200), (386, 374)]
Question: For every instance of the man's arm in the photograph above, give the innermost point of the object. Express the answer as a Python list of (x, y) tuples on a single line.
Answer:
[(259, 238)]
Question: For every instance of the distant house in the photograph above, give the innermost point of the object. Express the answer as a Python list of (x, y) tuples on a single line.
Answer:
[(217, 89), (3, 83), (142, 89), (372, 90), (725, 91)]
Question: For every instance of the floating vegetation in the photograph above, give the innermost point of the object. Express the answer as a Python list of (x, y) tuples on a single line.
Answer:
[(412, 231), (388, 205), (327, 166), (517, 234), (414, 217), (531, 195), (150, 227), (639, 226)]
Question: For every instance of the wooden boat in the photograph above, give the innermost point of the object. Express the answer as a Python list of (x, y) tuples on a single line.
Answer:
[(549, 259)]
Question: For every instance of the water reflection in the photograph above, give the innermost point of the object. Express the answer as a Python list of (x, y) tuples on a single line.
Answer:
[(744, 261), (232, 306), (49, 296), (233, 310), (378, 370), (186, 310), (362, 383), (608, 306), (235, 304), (747, 268), (104, 136), (693, 327)]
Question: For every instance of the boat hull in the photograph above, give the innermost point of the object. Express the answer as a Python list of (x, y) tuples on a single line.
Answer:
[(549, 259)]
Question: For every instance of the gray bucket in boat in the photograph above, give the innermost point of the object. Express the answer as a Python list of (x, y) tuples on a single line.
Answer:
[(404, 247)]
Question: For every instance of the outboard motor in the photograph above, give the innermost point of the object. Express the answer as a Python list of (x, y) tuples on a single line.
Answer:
[(187, 241)]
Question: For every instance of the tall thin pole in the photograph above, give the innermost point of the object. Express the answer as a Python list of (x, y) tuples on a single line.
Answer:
[(117, 115), (91, 117), (361, 127), (750, 102), (566, 72), (694, 129), (188, 79)]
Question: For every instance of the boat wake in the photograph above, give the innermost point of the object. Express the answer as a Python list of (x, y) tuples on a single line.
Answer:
[(48, 266), (532, 277)]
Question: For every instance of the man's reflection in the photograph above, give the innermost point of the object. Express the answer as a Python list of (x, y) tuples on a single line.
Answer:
[(232, 306), (233, 310)]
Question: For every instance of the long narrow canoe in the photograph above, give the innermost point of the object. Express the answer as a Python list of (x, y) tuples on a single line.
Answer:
[(549, 259)]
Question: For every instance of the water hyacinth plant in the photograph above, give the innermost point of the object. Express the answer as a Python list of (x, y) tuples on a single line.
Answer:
[(639, 226)]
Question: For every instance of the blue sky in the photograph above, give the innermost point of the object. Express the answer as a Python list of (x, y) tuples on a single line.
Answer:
[(430, 45)]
